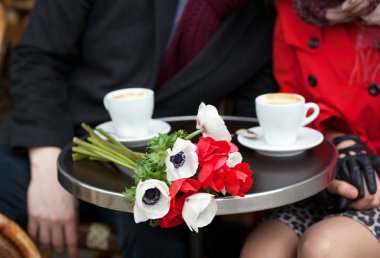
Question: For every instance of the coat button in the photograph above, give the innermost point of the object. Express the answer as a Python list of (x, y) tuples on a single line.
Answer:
[(374, 89), (312, 80), (314, 43)]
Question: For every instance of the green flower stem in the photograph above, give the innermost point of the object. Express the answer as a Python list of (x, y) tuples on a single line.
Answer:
[(98, 146), (100, 154), (105, 153), (111, 148), (79, 156), (120, 146), (111, 142), (193, 134), (97, 159), (83, 151)]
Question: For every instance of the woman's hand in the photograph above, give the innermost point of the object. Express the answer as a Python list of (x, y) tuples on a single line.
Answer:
[(358, 8), (51, 209), (373, 18), (337, 15), (357, 176), (351, 10), (347, 195), (357, 164)]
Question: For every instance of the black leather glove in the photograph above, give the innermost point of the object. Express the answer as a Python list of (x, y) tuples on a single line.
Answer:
[(353, 163)]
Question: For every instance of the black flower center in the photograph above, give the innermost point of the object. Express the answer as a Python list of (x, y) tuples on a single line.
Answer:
[(151, 196), (178, 160)]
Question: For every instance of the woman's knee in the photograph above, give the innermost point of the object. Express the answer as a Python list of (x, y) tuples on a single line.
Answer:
[(338, 236), (270, 233), (315, 243)]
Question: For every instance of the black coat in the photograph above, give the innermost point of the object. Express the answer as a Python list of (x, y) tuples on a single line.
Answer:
[(75, 51)]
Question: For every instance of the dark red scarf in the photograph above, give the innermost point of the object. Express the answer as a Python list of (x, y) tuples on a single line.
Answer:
[(367, 38), (199, 22), (314, 11)]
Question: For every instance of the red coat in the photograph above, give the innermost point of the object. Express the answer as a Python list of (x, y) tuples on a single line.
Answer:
[(322, 64)]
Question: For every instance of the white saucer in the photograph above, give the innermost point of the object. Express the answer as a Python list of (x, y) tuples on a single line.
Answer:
[(307, 138), (155, 127)]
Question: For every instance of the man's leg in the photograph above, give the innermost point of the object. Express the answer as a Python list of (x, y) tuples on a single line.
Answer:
[(14, 180), (143, 241)]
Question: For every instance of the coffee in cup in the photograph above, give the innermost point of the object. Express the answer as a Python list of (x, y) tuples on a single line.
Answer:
[(281, 98), (131, 94), (282, 115), (130, 110)]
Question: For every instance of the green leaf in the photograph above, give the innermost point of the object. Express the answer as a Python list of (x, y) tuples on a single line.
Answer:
[(129, 195), (162, 142), (153, 223), (151, 166)]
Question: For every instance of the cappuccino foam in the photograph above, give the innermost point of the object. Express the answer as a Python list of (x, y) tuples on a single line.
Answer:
[(281, 99), (131, 94)]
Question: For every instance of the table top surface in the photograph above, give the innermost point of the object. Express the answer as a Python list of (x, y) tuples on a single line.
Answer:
[(277, 181)]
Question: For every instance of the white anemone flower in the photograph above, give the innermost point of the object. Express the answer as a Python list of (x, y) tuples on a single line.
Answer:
[(212, 124), (152, 200), (199, 210), (182, 160), (234, 159)]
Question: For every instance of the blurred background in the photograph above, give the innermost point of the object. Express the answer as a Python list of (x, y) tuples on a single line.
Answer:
[(14, 16)]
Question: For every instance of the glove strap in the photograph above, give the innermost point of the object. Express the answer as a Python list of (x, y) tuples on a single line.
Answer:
[(345, 137), (358, 147)]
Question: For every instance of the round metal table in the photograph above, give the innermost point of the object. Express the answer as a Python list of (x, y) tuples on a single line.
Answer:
[(277, 181)]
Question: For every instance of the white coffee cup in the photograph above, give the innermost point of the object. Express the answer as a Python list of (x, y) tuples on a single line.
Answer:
[(130, 110), (282, 115)]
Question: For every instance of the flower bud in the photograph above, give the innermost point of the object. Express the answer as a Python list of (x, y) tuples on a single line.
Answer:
[(199, 210)]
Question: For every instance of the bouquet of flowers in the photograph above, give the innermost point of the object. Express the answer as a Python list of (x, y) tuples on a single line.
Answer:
[(176, 180)]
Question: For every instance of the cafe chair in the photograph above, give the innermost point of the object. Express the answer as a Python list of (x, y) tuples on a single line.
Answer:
[(94, 237), (98, 238), (5, 100), (14, 242), (95, 240), (3, 35)]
